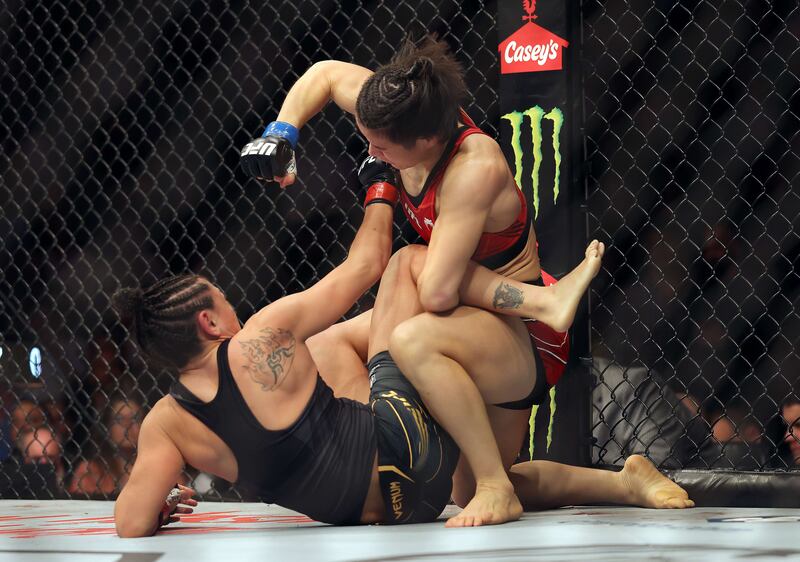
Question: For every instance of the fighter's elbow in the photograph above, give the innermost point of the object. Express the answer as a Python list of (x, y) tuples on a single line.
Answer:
[(320, 67), (124, 533), (131, 529), (324, 72), (437, 300), (128, 525)]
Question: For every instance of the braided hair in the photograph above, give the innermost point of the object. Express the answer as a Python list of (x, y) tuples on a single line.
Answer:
[(161, 318), (417, 95)]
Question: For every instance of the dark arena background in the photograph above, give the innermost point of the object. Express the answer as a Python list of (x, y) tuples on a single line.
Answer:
[(670, 133)]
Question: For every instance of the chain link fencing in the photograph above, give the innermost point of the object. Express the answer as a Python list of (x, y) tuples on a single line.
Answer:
[(121, 126), (121, 129), (692, 167)]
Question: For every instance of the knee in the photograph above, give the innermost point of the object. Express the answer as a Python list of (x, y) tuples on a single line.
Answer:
[(323, 342), (402, 341), (411, 252), (409, 258), (330, 344), (409, 346)]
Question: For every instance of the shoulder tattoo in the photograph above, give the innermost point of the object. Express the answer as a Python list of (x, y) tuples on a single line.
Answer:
[(269, 357)]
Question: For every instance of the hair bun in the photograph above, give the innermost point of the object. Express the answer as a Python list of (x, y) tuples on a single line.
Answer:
[(422, 66)]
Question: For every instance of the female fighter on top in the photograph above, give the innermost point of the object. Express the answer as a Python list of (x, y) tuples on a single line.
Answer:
[(459, 194)]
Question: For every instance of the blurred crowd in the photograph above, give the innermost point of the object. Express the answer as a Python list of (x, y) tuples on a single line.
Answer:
[(80, 443), (637, 411)]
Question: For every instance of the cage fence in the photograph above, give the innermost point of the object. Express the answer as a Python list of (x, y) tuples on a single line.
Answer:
[(120, 135)]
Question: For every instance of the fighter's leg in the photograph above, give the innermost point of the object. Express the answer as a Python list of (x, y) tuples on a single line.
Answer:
[(509, 428), (545, 484), (397, 302), (397, 299), (539, 483), (340, 353), (554, 305), (453, 359)]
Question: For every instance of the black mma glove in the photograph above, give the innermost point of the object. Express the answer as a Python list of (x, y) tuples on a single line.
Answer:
[(380, 181), (273, 154)]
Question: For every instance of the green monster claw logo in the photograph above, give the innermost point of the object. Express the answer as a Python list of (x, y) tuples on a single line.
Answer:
[(532, 422), (536, 114)]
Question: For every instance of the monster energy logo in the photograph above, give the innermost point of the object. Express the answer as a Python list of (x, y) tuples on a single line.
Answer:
[(536, 114), (532, 422)]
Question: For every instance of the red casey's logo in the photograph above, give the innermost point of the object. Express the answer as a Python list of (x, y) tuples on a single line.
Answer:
[(531, 48)]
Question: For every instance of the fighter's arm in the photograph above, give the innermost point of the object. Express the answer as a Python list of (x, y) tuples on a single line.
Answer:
[(158, 466), (325, 81), (465, 199), (272, 156), (311, 311)]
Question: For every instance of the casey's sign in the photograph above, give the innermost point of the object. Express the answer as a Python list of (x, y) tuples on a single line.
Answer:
[(531, 48)]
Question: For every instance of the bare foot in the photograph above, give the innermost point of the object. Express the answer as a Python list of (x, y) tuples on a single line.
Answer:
[(558, 311), (491, 505), (649, 488)]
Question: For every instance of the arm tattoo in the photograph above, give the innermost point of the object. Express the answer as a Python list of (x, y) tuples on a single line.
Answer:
[(506, 296), (269, 356)]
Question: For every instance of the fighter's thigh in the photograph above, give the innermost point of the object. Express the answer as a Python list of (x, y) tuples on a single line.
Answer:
[(509, 427), (495, 351), (340, 354)]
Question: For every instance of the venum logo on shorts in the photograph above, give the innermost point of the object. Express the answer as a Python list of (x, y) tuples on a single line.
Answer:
[(536, 116), (396, 493), (531, 48)]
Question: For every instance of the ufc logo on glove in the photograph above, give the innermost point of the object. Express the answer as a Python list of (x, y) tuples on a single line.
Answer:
[(259, 146)]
